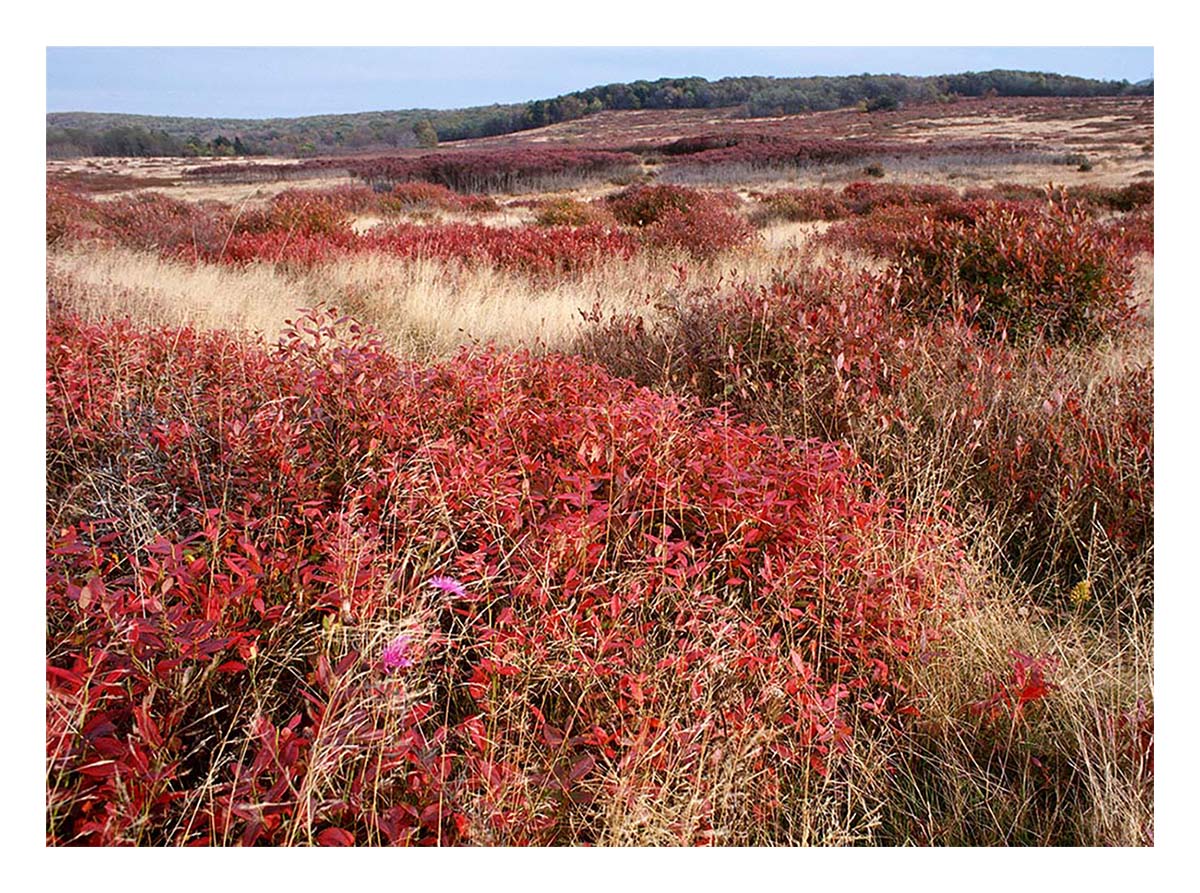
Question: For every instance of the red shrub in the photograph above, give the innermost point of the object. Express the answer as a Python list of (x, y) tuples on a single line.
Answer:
[(299, 248), (675, 217), (636, 582), (1076, 466), (152, 221), (702, 232), (864, 197), (311, 213), (802, 205), (1124, 198), (568, 211), (304, 229), (1133, 232), (69, 215), (481, 204), (348, 197), (1027, 684), (821, 346), (1006, 192), (419, 195), (534, 250), (1132, 735), (1011, 267), (1060, 458), (764, 151), (856, 198), (507, 169), (643, 206)]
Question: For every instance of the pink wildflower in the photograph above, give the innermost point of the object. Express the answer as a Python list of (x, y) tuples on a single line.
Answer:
[(449, 585), (396, 656)]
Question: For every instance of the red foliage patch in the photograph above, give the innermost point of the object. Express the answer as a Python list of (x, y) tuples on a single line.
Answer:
[(640, 576), (566, 211), (766, 150), (538, 251), (1027, 684), (504, 169), (68, 215), (864, 197), (1011, 267), (420, 195), (702, 224), (1133, 232), (839, 355), (802, 205)]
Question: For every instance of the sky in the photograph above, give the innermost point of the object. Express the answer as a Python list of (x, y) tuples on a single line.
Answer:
[(263, 82)]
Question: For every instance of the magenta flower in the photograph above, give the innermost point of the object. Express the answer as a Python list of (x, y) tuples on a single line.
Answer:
[(396, 656), (449, 585)]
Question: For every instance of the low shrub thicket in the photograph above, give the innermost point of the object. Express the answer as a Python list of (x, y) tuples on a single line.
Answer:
[(310, 594), (1006, 192), (303, 228), (534, 251), (1113, 198), (767, 151), (703, 224), (538, 251), (68, 215), (1028, 270), (146, 221), (865, 197), (568, 211), (1134, 232), (799, 205), (1059, 456), (893, 208), (856, 198), (505, 169), (500, 169), (421, 196)]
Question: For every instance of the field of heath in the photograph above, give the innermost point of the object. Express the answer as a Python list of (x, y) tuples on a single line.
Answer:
[(650, 479)]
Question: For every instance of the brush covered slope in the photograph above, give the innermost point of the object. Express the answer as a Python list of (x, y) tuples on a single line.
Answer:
[(715, 496), (641, 592)]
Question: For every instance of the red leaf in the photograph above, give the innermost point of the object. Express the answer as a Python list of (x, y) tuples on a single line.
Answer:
[(147, 727), (583, 767), (335, 837)]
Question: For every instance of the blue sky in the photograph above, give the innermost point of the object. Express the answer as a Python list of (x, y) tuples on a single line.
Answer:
[(259, 82)]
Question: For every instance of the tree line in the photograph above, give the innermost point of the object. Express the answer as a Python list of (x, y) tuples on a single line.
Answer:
[(139, 142), (74, 134)]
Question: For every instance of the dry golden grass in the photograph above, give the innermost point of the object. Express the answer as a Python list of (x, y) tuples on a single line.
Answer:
[(1063, 773), (1143, 286), (118, 282), (781, 236), (422, 308)]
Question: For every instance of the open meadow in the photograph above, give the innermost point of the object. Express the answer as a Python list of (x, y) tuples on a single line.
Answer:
[(651, 478)]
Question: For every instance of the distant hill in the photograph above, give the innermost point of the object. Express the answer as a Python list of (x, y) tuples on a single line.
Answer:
[(71, 134)]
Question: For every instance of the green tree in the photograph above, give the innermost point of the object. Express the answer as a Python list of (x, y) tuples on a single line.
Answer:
[(426, 134)]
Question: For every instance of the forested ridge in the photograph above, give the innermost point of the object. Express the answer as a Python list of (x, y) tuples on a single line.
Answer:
[(71, 134)]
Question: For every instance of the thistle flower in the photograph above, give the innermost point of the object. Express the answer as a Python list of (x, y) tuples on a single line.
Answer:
[(396, 656), (449, 586)]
